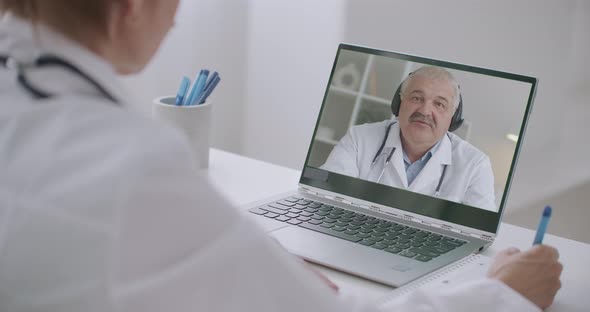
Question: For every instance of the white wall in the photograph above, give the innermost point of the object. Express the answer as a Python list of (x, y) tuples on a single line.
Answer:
[(574, 148), (208, 34), (291, 47)]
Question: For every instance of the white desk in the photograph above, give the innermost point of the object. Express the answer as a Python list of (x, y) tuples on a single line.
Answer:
[(243, 180)]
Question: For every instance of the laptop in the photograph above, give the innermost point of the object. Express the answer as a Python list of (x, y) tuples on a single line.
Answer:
[(349, 212)]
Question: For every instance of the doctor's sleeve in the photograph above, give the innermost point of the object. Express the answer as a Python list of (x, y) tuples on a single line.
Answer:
[(181, 247), (485, 295), (343, 158), (480, 192)]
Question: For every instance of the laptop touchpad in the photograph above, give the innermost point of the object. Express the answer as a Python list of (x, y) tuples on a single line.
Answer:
[(309, 244)]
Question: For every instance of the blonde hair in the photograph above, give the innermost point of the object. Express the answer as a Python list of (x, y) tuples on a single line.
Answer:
[(71, 17)]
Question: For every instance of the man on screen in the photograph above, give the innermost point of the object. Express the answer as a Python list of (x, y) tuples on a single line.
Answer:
[(418, 151)]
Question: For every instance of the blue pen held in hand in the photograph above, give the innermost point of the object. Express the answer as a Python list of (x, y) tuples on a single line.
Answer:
[(181, 94), (542, 226)]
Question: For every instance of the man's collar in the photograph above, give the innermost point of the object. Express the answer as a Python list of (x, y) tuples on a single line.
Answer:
[(428, 154), (441, 150)]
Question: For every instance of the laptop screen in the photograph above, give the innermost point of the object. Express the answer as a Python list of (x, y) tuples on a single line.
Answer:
[(426, 136)]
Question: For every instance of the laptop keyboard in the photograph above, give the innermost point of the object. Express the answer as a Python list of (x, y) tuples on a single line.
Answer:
[(377, 233)]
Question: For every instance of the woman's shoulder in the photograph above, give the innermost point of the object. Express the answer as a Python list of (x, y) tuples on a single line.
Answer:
[(95, 125)]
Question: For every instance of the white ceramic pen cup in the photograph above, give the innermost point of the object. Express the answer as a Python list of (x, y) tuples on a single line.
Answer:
[(194, 121)]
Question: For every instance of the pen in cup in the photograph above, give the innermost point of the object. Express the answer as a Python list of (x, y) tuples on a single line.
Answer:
[(211, 86), (203, 86), (542, 226), (211, 78), (181, 94), (197, 90)]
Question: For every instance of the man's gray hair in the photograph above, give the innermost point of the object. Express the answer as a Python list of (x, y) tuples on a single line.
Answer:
[(436, 73)]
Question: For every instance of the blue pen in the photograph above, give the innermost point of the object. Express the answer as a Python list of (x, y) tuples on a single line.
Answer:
[(211, 78), (542, 226), (198, 87), (208, 91), (184, 84)]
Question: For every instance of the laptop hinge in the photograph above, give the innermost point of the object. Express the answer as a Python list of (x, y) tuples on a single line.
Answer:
[(404, 216)]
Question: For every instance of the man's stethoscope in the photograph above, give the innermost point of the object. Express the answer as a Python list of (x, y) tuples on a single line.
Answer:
[(388, 160), (48, 61)]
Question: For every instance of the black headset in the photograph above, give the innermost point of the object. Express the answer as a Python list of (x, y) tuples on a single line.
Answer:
[(456, 121)]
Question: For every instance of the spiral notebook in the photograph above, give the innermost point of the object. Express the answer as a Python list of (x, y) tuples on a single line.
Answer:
[(469, 268)]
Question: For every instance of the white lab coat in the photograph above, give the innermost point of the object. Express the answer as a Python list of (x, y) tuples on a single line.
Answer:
[(469, 178), (101, 210)]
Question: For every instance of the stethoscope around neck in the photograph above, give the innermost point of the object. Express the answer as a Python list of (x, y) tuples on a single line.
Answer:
[(388, 160), (48, 61)]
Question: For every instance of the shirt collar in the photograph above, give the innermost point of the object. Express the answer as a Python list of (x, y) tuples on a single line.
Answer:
[(19, 40), (426, 155)]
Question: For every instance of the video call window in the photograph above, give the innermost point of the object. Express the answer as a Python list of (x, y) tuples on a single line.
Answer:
[(359, 135)]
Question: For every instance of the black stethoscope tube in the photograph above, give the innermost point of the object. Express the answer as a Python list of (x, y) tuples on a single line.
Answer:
[(45, 61), (388, 160)]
